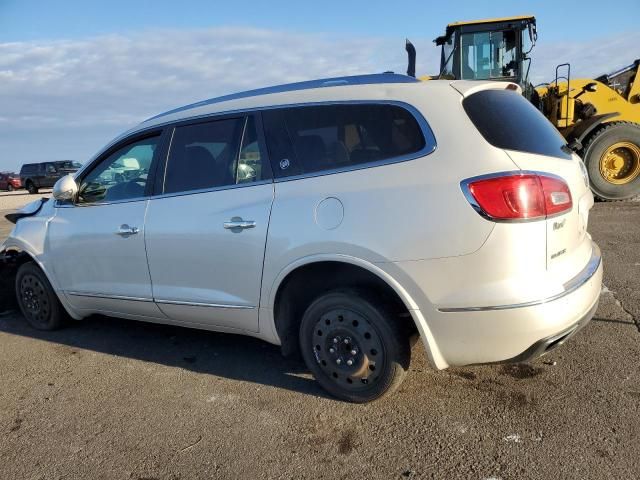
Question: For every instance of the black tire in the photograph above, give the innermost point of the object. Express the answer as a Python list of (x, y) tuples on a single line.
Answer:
[(350, 321), (37, 299), (9, 188), (31, 188), (596, 146)]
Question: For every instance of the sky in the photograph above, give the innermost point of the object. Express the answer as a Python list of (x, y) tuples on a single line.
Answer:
[(74, 74)]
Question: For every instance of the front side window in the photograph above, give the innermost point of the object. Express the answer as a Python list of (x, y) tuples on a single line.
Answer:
[(316, 138), (120, 176), (213, 154), (487, 55)]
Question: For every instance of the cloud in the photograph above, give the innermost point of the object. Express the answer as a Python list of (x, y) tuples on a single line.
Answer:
[(122, 79), (588, 59), (65, 98)]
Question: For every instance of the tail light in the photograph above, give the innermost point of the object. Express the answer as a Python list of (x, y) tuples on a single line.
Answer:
[(518, 196)]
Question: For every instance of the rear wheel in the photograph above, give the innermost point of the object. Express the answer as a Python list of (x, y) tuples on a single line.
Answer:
[(354, 346), (31, 188), (37, 299), (612, 158)]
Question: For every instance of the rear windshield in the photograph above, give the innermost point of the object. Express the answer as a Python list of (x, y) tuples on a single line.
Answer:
[(507, 120)]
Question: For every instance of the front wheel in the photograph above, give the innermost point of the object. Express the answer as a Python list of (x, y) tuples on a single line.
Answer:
[(31, 188), (354, 346), (37, 299), (612, 158), (10, 188)]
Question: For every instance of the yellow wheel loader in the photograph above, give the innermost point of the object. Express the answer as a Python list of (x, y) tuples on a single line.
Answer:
[(600, 118)]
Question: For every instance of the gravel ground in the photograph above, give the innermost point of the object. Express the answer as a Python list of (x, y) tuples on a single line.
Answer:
[(18, 198), (109, 398)]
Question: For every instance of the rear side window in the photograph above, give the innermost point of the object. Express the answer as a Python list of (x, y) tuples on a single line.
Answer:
[(324, 137), (213, 154), (507, 120)]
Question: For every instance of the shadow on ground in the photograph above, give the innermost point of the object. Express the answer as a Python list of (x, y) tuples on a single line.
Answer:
[(224, 355)]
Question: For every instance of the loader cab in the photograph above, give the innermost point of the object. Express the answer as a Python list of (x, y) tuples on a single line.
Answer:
[(494, 49)]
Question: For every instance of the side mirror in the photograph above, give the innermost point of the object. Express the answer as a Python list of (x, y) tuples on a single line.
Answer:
[(65, 189)]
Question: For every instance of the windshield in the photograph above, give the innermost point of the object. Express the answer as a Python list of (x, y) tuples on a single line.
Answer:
[(488, 55)]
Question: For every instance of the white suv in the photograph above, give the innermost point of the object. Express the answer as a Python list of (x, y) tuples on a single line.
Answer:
[(340, 218)]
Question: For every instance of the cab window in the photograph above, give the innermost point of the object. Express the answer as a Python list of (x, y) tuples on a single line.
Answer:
[(487, 55)]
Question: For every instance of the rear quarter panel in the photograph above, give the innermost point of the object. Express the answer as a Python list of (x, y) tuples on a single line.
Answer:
[(405, 211)]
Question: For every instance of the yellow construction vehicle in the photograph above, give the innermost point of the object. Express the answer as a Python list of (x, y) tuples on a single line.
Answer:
[(600, 118)]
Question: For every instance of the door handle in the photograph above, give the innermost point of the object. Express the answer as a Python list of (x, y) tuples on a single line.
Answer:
[(125, 230), (238, 224)]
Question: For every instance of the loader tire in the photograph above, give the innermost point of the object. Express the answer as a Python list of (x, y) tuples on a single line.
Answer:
[(612, 157)]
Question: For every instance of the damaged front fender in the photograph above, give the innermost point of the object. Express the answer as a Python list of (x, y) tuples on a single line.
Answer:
[(11, 257)]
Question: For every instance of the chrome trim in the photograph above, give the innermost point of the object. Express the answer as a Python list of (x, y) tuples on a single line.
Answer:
[(167, 195), (163, 302), (464, 186), (569, 287), (202, 304), (126, 231), (354, 168), (59, 204), (140, 129), (207, 190), (429, 147), (239, 224), (108, 297)]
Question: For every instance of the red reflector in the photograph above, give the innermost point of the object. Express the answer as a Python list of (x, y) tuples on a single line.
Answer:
[(520, 196), (557, 196)]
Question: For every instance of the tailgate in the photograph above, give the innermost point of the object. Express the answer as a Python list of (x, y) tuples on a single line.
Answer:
[(568, 247)]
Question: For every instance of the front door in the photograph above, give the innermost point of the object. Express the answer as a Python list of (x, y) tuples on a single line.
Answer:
[(206, 233), (100, 260)]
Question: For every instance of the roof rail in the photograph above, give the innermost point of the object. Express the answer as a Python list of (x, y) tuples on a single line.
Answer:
[(371, 79)]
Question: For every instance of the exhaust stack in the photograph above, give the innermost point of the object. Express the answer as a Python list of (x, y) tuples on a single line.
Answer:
[(411, 53)]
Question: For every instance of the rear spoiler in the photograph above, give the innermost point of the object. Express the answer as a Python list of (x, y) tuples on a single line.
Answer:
[(469, 87)]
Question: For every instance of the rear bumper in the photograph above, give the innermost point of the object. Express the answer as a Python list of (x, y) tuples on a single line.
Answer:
[(518, 331), (545, 345), (569, 287)]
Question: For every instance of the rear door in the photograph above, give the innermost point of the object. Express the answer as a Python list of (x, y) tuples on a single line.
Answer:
[(206, 233)]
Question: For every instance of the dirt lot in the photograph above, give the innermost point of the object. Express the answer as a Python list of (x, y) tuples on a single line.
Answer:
[(115, 399)]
